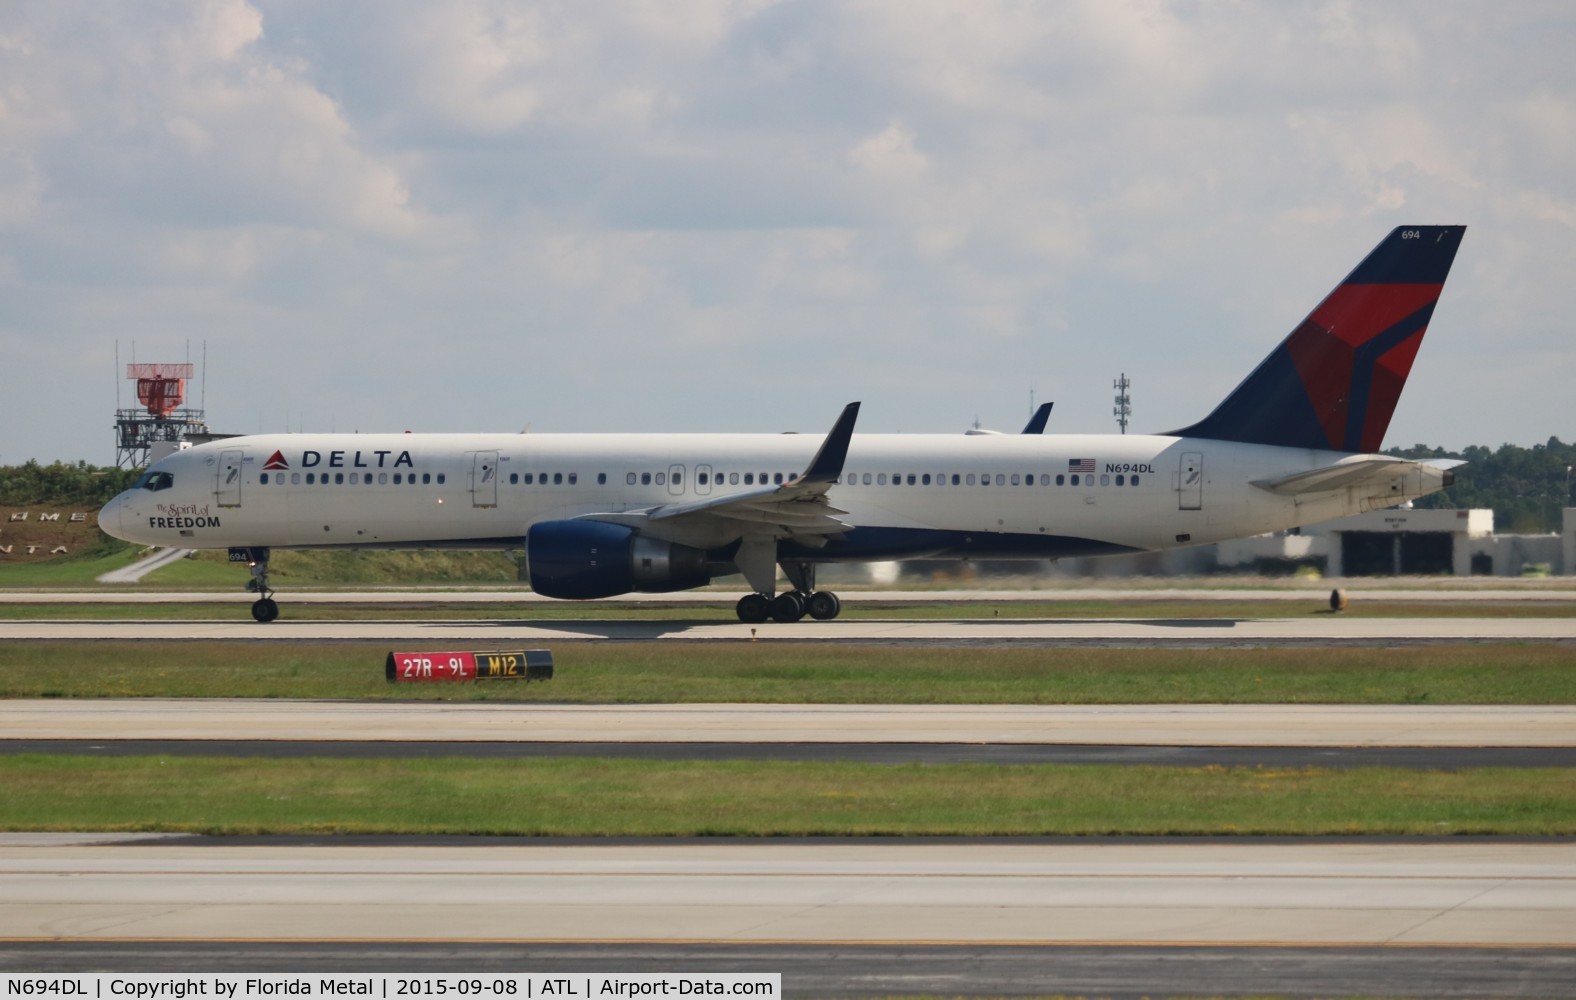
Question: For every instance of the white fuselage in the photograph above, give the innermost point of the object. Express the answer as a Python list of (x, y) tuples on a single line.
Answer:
[(1029, 495)]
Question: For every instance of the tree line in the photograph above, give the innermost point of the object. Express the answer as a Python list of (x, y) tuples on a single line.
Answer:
[(76, 485), (1527, 488)]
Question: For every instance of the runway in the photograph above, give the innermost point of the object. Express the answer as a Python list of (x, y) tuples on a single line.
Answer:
[(415, 633), (1457, 590), (1413, 758), (1353, 894), (1128, 913), (1110, 725)]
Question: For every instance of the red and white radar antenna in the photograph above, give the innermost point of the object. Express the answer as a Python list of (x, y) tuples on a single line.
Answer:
[(163, 422)]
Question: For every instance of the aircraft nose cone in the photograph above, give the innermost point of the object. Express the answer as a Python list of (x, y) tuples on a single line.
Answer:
[(110, 517)]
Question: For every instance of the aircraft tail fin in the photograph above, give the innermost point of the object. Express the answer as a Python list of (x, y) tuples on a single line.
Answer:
[(1334, 382)]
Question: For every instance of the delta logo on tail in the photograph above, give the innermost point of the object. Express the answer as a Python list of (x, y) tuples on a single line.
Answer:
[(1333, 384), (276, 463)]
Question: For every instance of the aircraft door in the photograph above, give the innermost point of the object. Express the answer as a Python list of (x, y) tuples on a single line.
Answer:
[(484, 479), (227, 479), (703, 479), (676, 480), (1190, 482)]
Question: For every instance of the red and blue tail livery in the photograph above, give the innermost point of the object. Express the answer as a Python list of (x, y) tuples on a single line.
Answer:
[(1334, 383)]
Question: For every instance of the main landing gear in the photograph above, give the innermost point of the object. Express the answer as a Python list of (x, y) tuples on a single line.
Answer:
[(789, 606), (264, 609)]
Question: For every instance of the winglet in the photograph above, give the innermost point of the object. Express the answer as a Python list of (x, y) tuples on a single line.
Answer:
[(828, 462), (1042, 416)]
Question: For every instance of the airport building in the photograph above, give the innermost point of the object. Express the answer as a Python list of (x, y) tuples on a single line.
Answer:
[(1407, 542)]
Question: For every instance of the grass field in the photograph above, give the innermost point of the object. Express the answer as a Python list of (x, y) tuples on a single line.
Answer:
[(605, 797), (671, 672), (608, 798)]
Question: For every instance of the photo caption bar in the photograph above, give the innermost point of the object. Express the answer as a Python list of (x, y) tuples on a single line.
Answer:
[(384, 986)]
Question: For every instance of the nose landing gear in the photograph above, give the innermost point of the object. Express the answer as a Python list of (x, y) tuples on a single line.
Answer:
[(264, 609)]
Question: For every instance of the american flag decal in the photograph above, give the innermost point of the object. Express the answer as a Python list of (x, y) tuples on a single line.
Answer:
[(1080, 465)]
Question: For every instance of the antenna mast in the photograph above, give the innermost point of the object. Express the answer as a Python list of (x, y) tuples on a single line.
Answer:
[(1124, 402)]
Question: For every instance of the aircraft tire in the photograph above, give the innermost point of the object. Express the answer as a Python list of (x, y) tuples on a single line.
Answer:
[(824, 605), (787, 607), (265, 609), (752, 608)]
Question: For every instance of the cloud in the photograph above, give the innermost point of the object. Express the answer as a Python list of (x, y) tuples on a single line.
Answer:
[(706, 213)]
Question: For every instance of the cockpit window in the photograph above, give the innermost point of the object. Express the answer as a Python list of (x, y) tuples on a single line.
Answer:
[(154, 481)]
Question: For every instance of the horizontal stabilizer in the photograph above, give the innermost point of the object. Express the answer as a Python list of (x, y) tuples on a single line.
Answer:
[(1371, 473)]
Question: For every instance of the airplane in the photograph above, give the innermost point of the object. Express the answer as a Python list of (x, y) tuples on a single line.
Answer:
[(600, 515)]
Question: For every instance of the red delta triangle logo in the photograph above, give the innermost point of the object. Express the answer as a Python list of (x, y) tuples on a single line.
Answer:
[(275, 462)]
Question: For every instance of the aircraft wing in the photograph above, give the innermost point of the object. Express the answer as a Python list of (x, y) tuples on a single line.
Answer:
[(1371, 472), (796, 509)]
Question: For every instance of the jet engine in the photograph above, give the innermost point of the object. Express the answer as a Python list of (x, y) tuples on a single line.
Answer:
[(577, 560)]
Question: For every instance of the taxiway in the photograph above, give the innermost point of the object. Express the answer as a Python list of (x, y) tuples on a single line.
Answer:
[(413, 633)]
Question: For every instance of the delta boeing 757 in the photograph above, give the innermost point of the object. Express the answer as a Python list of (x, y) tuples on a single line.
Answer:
[(605, 514)]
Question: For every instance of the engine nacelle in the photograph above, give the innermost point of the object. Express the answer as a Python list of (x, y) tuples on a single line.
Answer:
[(579, 560)]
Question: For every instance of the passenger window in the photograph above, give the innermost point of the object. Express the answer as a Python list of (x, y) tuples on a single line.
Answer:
[(970, 479), (911, 479), (777, 477), (1015, 479), (662, 479), (1134, 480), (926, 481), (749, 479), (383, 479), (678, 479), (700, 477), (558, 479), (263, 479), (881, 479), (442, 478), (1075, 479), (1061, 480), (1119, 480), (311, 478), (601, 479), (954, 479), (574, 477), (867, 479), (295, 478), (645, 479), (1045, 479), (733, 479), (1001, 479), (339, 477), (1105, 480)]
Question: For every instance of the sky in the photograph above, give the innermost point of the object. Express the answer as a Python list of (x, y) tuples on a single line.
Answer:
[(738, 215)]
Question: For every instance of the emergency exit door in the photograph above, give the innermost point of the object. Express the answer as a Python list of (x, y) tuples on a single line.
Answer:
[(1190, 481), (484, 479), (227, 479)]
